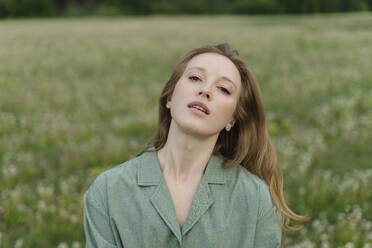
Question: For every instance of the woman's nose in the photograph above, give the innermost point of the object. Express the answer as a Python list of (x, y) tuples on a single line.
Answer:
[(206, 89), (205, 92)]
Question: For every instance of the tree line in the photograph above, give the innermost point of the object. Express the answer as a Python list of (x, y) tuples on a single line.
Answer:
[(27, 8)]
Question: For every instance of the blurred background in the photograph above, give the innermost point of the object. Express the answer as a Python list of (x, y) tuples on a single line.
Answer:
[(80, 82), (17, 8)]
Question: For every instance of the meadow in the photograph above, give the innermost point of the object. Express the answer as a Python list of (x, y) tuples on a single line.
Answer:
[(80, 95)]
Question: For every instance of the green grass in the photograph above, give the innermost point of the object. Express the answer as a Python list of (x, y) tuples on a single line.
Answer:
[(78, 96)]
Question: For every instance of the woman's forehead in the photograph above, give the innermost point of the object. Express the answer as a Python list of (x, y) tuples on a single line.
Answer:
[(210, 59), (214, 63)]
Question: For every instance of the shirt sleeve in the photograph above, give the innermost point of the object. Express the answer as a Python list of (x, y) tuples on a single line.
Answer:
[(268, 229), (97, 228)]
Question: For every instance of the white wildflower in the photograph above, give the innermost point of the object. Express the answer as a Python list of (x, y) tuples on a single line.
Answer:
[(341, 216), (74, 218), (41, 205), (18, 243), (62, 245), (325, 244), (316, 223), (301, 190), (367, 225), (323, 237), (76, 244), (12, 169), (347, 208), (349, 245), (52, 208)]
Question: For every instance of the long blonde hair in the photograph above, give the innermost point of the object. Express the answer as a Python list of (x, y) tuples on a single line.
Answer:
[(248, 142)]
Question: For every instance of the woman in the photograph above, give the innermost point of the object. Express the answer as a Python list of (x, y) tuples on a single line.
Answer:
[(208, 178)]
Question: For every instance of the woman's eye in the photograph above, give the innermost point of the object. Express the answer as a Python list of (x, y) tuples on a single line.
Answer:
[(225, 90), (193, 77)]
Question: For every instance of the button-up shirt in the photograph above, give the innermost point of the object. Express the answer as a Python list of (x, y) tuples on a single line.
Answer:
[(130, 206)]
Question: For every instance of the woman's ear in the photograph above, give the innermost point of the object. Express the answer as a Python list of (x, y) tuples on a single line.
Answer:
[(168, 100), (230, 125)]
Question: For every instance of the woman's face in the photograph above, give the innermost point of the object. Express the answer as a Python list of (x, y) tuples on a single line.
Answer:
[(214, 80)]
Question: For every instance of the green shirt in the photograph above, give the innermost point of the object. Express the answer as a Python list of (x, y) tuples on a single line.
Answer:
[(130, 206)]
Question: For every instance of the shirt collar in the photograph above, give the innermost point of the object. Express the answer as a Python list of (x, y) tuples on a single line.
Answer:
[(149, 172)]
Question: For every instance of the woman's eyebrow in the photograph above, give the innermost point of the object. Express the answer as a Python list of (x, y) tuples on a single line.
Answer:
[(203, 69)]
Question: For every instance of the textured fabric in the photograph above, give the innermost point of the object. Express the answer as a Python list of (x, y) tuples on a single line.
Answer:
[(130, 206)]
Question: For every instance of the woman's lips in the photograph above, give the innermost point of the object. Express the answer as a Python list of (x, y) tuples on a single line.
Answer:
[(197, 111), (201, 105)]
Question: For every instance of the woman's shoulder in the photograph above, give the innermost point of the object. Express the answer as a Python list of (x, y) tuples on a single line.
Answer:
[(257, 186), (123, 173), (250, 180)]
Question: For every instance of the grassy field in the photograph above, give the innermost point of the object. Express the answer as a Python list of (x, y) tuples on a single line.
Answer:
[(78, 96)]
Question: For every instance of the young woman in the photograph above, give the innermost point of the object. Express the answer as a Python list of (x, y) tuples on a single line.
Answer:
[(208, 178)]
